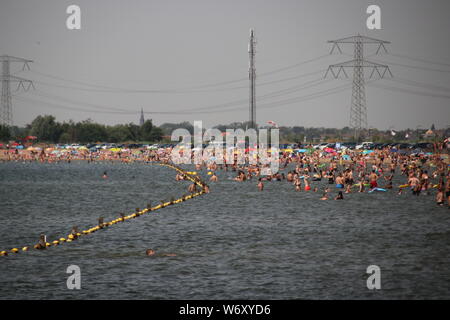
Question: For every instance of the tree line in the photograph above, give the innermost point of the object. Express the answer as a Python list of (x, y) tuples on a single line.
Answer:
[(47, 129)]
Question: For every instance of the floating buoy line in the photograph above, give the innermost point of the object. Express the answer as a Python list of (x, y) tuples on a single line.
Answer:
[(74, 235)]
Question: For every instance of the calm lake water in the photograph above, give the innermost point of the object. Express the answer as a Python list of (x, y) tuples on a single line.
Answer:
[(234, 243)]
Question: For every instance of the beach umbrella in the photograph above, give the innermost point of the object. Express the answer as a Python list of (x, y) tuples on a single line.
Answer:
[(346, 157), (367, 151), (301, 150), (272, 123), (115, 149), (329, 150)]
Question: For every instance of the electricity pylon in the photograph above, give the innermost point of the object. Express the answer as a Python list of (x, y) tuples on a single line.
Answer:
[(252, 78), (358, 110), (6, 78)]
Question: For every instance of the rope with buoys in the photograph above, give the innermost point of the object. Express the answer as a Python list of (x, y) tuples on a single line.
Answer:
[(75, 234)]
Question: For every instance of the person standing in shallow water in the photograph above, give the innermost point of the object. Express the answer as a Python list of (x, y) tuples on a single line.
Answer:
[(340, 196)]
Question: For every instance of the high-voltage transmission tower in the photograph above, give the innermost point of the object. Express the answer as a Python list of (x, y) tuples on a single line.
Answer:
[(358, 110), (6, 79), (252, 78)]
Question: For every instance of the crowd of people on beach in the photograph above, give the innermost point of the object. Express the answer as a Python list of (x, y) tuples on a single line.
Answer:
[(347, 172), (420, 174)]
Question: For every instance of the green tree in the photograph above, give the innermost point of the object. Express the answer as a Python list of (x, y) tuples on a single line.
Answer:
[(118, 133), (89, 131), (45, 128), (5, 133), (156, 134), (146, 131)]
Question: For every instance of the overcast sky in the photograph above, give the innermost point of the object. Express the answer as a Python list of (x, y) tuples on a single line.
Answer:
[(195, 52)]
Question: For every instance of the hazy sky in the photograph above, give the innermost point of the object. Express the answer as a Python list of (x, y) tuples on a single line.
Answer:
[(126, 49)]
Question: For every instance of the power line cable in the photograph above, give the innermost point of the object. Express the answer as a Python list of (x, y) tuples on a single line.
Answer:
[(102, 88)]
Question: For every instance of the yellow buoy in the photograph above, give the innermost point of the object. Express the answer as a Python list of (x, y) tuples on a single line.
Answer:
[(15, 250), (62, 239), (25, 249), (56, 242)]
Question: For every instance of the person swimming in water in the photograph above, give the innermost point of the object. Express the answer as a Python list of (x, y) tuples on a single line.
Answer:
[(213, 177), (260, 184), (440, 197), (324, 196), (389, 181), (298, 184), (192, 188), (340, 196), (105, 175), (151, 252)]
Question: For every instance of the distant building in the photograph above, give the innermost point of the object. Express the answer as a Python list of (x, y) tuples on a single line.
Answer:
[(142, 120)]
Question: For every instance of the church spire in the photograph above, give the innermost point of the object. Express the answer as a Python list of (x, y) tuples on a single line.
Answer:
[(141, 121)]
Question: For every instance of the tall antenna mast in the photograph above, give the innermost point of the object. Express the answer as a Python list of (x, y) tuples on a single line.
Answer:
[(252, 78), (6, 78), (358, 110)]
